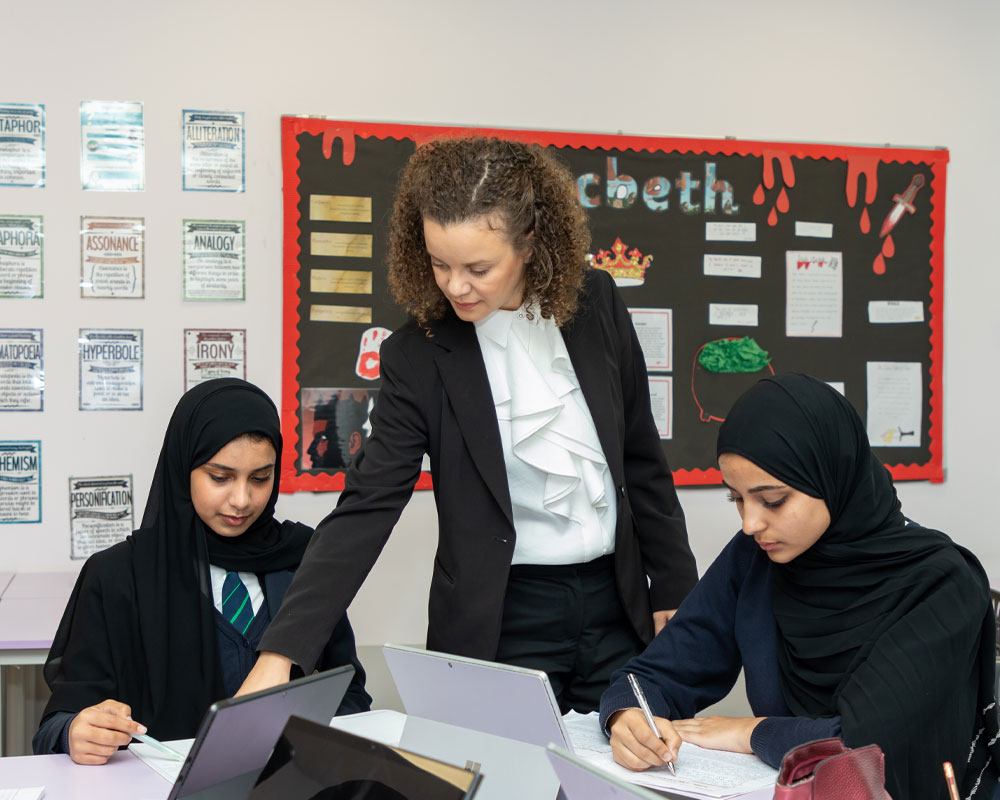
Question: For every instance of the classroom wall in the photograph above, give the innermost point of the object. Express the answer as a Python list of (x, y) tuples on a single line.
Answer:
[(907, 72)]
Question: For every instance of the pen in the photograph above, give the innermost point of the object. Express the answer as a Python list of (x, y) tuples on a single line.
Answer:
[(641, 697), (949, 776), (171, 754)]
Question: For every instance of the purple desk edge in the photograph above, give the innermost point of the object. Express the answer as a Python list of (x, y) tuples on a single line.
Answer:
[(124, 777)]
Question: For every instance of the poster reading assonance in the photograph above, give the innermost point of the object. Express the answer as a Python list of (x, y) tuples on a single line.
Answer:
[(112, 256)]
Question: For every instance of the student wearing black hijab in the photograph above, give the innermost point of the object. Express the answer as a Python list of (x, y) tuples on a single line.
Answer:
[(848, 619), (143, 643)]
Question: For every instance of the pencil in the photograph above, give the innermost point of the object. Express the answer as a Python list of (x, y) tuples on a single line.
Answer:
[(949, 776)]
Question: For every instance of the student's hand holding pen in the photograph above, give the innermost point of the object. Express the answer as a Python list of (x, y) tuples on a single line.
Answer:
[(98, 731), (635, 746)]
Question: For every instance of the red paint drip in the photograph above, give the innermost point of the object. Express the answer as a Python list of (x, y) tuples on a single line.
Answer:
[(782, 203), (856, 167), (879, 266), (347, 137), (772, 218), (888, 247), (758, 196), (784, 161), (865, 224)]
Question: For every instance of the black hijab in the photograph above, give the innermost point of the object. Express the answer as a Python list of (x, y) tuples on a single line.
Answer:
[(882, 622)]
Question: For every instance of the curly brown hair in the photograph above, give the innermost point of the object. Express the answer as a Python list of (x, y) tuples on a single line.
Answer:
[(521, 187)]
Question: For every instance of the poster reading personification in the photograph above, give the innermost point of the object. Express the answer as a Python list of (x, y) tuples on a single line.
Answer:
[(22, 144), (20, 481), (112, 256), (100, 513), (214, 157), (110, 369)]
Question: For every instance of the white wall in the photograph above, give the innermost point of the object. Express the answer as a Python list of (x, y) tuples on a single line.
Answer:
[(902, 72)]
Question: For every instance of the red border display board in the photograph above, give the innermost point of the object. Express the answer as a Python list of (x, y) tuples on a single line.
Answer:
[(737, 259)]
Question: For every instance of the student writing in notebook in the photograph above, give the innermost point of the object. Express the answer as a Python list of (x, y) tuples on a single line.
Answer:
[(165, 623), (848, 619)]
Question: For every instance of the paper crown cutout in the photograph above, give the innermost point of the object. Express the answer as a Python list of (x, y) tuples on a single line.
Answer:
[(627, 267)]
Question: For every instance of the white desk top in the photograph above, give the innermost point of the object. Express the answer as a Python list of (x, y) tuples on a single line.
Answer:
[(124, 777), (41, 584), (29, 623)]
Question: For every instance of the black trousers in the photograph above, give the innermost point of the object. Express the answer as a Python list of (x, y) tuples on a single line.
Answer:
[(569, 621)]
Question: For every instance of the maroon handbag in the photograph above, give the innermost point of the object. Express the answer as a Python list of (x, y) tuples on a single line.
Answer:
[(829, 770)]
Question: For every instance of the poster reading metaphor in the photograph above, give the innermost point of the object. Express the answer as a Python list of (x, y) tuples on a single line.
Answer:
[(112, 256), (22, 377), (112, 146), (110, 369), (100, 513), (21, 240), (20, 481), (212, 354), (22, 144), (214, 259), (214, 158)]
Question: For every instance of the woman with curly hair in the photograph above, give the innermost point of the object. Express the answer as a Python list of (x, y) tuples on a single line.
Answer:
[(561, 544)]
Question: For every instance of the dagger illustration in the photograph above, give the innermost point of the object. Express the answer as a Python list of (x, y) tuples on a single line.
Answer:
[(904, 202)]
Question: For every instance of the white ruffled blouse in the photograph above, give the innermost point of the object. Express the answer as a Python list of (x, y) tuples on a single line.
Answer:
[(561, 489)]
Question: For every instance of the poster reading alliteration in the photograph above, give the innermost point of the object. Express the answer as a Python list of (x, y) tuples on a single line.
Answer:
[(100, 513), (112, 256), (214, 158), (21, 248), (214, 353), (22, 375), (214, 259), (112, 146), (20, 481), (110, 369), (22, 144)]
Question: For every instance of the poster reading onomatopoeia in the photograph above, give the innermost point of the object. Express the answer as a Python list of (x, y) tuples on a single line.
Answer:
[(214, 259), (20, 481), (214, 159), (112, 256), (22, 377), (110, 369), (212, 354), (112, 146), (100, 513), (22, 144), (20, 256)]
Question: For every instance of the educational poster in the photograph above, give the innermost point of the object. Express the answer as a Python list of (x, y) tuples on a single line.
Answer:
[(21, 249), (20, 481), (100, 513), (737, 260), (22, 375), (110, 369), (214, 155), (112, 256), (213, 353), (337, 424), (214, 259), (112, 146), (22, 144)]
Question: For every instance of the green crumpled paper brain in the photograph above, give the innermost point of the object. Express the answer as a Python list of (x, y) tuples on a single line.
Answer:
[(733, 355)]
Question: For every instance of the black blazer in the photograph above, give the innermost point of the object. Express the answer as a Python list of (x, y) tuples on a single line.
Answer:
[(436, 398)]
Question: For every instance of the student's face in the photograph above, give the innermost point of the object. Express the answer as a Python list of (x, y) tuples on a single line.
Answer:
[(783, 521), (475, 267), (232, 488)]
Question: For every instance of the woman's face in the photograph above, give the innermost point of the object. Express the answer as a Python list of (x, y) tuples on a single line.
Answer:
[(783, 521), (232, 488), (475, 267)]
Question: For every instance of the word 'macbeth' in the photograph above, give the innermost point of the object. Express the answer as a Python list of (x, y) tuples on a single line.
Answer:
[(622, 191)]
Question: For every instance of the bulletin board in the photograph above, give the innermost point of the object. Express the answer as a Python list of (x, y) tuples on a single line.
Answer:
[(738, 259)]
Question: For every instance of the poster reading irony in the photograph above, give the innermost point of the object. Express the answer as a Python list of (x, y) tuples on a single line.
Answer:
[(22, 376), (214, 259), (213, 353), (112, 146), (20, 481), (100, 513), (21, 241), (22, 144), (213, 159), (112, 256), (110, 369)]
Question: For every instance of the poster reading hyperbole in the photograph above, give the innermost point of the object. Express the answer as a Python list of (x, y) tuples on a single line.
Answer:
[(214, 157), (21, 247), (20, 481), (22, 144), (214, 353), (22, 375), (214, 259), (112, 146), (112, 256), (110, 369), (100, 513)]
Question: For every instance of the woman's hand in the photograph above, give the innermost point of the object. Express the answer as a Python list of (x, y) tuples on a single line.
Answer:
[(661, 618), (635, 746), (718, 733), (271, 669), (97, 732)]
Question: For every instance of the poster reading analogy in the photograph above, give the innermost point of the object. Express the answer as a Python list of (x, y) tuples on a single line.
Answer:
[(20, 481), (110, 369), (112, 256), (100, 513), (22, 376), (213, 159), (21, 240), (112, 147), (214, 353), (22, 144), (214, 259)]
